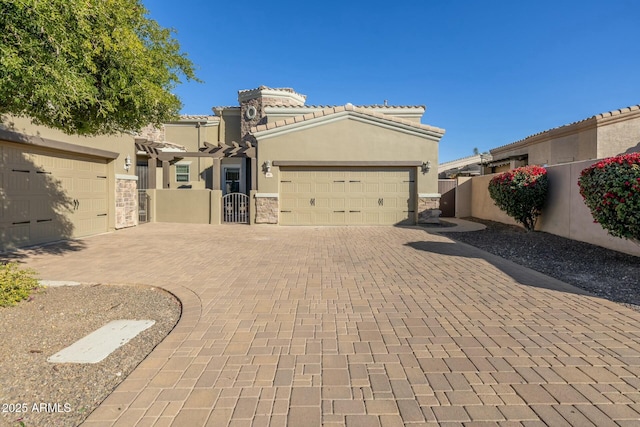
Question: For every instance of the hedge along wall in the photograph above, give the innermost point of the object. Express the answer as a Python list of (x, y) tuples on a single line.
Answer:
[(565, 213)]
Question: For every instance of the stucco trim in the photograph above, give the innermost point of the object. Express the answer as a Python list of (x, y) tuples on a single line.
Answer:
[(127, 177), (428, 195), (19, 138), (346, 163), (245, 95), (324, 117), (266, 195), (405, 112)]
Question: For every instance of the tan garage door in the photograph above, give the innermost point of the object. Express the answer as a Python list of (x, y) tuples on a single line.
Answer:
[(47, 196), (356, 196)]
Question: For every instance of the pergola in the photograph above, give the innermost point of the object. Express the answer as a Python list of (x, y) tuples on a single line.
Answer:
[(168, 154)]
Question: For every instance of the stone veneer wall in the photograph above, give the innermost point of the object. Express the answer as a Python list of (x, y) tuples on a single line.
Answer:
[(259, 102), (126, 202), (428, 209), (266, 210)]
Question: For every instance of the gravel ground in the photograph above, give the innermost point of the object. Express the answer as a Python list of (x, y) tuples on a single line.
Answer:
[(602, 272), (38, 393)]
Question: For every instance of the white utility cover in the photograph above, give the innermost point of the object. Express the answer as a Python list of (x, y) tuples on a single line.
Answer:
[(102, 342)]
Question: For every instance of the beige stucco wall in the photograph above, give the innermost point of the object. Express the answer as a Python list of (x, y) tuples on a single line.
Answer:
[(185, 206), (347, 140), (565, 213), (482, 205), (191, 136), (463, 197), (230, 126), (617, 137), (121, 144)]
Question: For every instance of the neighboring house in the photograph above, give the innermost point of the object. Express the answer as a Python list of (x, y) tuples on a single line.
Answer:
[(467, 166), (603, 135), (272, 159)]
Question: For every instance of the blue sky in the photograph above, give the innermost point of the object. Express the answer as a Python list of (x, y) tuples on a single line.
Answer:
[(490, 72)]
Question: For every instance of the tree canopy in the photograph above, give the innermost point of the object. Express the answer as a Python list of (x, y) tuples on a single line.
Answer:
[(88, 67)]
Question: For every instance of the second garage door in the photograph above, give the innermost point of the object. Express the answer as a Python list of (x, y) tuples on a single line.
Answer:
[(49, 196), (339, 196)]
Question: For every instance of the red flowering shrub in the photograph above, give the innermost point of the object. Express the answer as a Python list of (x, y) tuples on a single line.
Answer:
[(611, 190), (521, 193)]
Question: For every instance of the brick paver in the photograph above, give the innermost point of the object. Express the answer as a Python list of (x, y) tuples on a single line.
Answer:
[(357, 326)]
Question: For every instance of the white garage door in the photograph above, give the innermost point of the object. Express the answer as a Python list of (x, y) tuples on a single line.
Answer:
[(47, 196), (346, 196)]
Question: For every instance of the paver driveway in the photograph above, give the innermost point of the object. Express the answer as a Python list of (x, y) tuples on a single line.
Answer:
[(358, 326)]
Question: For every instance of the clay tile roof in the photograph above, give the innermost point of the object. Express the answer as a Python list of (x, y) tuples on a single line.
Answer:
[(348, 107), (595, 117)]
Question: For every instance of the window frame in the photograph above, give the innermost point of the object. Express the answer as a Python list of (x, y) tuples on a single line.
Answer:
[(180, 175)]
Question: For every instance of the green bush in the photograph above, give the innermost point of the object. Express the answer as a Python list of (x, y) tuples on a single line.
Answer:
[(16, 284), (521, 193), (611, 190)]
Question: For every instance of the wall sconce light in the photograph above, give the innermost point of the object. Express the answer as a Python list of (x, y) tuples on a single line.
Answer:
[(266, 166), (127, 163), (426, 166)]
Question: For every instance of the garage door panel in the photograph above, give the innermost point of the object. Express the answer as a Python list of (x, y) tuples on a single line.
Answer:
[(338, 204), (322, 218), (337, 218), (355, 202), (323, 187), (83, 185), (17, 182), (338, 186), (359, 196), (19, 210), (323, 202), (98, 185), (18, 234), (50, 195), (288, 203), (16, 157), (288, 187), (355, 187)]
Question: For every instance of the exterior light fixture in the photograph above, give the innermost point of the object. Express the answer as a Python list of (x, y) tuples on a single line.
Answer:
[(266, 166), (426, 167), (127, 163)]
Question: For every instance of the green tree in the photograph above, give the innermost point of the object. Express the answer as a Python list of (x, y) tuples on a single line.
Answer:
[(88, 67)]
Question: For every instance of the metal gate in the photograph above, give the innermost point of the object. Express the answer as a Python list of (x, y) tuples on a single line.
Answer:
[(235, 208), (447, 190), (143, 206)]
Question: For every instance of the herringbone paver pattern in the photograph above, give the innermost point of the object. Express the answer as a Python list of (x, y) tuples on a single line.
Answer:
[(358, 326)]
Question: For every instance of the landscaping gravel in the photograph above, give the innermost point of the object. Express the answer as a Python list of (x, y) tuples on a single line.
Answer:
[(39, 393), (600, 271)]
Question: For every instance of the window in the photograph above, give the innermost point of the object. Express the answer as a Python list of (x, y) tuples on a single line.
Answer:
[(182, 173)]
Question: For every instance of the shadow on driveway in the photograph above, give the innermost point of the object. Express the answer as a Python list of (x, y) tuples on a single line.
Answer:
[(519, 273)]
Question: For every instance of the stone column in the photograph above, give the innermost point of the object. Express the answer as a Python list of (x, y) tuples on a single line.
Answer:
[(428, 209), (266, 209), (126, 201)]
